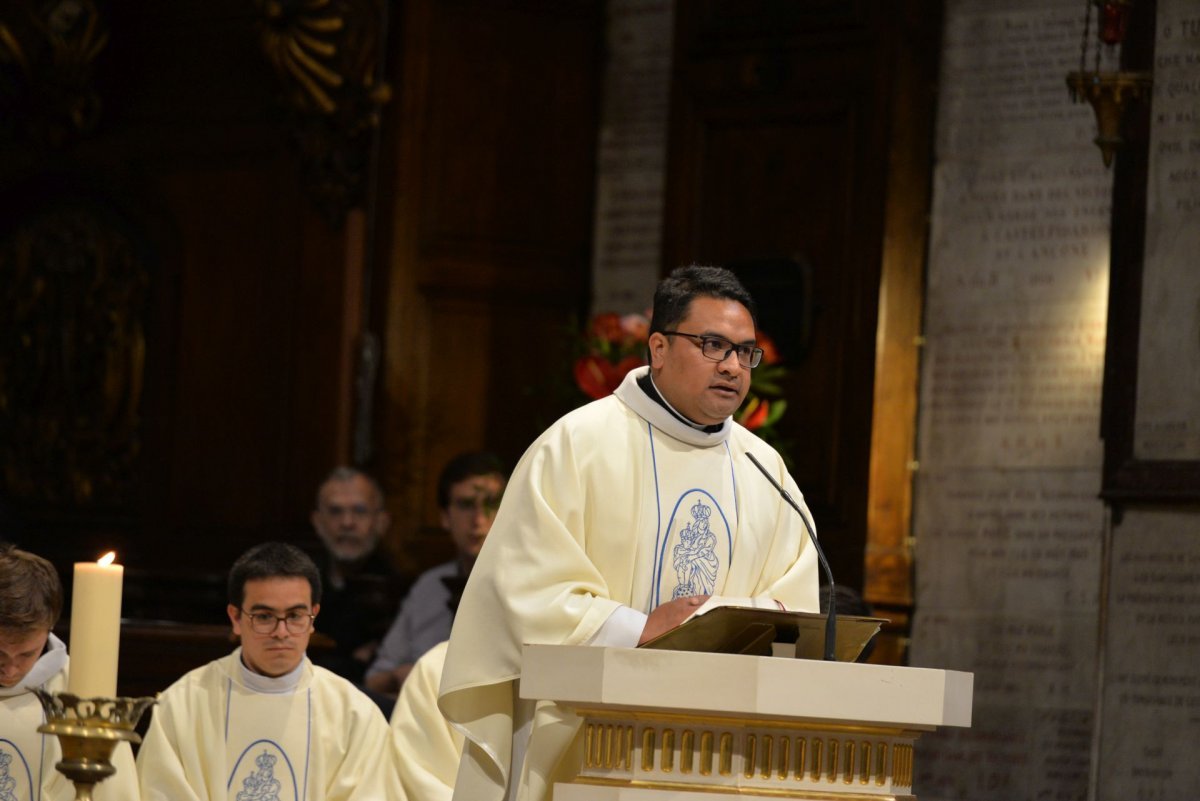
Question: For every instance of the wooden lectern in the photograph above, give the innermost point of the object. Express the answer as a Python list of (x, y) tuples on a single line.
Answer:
[(682, 726)]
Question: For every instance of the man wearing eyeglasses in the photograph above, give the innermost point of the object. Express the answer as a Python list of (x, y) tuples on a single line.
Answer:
[(468, 494), (618, 523), (264, 722)]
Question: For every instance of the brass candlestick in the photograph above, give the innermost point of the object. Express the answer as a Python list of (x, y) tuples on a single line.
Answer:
[(88, 730)]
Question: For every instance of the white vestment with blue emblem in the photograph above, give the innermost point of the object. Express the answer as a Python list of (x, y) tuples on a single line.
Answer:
[(618, 506), (222, 733), (427, 748), (27, 758)]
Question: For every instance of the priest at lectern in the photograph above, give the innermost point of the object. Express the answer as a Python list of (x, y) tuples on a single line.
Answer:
[(618, 523)]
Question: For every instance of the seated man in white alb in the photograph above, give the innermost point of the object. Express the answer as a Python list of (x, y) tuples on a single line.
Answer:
[(427, 748), (264, 722), (31, 599)]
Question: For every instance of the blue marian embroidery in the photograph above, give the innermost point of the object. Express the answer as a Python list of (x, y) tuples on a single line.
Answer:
[(8, 784), (694, 558), (262, 784)]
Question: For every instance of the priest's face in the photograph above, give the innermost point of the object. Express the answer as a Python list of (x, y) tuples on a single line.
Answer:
[(350, 518), (469, 514), (20, 650), (278, 650), (702, 390)]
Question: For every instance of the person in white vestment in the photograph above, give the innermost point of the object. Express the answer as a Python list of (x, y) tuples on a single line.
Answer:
[(264, 723), (31, 657), (618, 523), (427, 748)]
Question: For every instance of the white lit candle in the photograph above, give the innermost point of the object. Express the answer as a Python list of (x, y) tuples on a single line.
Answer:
[(95, 627)]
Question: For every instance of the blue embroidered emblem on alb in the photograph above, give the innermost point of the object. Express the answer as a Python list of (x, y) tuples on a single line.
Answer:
[(697, 550), (262, 783), (10, 790)]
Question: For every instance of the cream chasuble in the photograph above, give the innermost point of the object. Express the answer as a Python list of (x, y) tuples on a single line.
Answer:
[(222, 733), (618, 504), (27, 758), (427, 749)]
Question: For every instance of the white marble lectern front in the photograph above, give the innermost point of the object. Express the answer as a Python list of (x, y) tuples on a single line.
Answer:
[(683, 726)]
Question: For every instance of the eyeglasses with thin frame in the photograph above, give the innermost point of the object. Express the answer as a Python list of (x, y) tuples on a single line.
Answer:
[(719, 348), (295, 621)]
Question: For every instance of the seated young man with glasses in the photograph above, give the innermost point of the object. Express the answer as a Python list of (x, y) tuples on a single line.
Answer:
[(468, 494), (264, 722), (618, 523)]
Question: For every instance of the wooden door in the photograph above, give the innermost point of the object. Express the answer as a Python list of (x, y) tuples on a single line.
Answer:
[(799, 135), (489, 237)]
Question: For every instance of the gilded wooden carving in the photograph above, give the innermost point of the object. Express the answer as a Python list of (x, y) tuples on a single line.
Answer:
[(47, 55), (328, 55)]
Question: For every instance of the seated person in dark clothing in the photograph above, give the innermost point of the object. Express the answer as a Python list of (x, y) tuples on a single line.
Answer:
[(469, 490), (362, 587)]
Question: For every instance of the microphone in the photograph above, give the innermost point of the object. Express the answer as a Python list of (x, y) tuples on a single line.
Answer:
[(831, 618)]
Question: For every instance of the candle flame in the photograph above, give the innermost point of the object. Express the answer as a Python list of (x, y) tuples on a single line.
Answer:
[(107, 559)]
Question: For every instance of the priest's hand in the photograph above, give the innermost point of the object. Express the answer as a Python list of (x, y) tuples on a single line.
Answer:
[(669, 615)]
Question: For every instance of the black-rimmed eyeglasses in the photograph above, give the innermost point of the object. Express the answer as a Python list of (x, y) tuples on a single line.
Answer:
[(719, 348), (295, 622)]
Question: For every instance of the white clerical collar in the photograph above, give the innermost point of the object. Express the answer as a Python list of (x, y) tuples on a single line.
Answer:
[(271, 685), (53, 660), (665, 419)]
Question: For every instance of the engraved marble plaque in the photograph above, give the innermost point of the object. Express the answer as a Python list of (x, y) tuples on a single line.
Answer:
[(1151, 697), (632, 155), (1008, 525), (1167, 418), (1017, 304), (1003, 66), (1008, 578)]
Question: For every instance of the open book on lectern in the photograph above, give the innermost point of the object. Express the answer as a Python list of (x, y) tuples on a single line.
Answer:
[(732, 629)]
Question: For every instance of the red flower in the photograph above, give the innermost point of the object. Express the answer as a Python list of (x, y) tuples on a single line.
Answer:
[(607, 327), (755, 413), (599, 378), (770, 352)]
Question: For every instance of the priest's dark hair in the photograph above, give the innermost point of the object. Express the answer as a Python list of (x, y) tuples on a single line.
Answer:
[(464, 466), (272, 560), (31, 595), (676, 292)]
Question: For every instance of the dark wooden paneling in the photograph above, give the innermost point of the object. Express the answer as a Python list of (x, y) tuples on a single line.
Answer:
[(781, 121), (510, 141), (246, 385), (254, 305), (490, 234)]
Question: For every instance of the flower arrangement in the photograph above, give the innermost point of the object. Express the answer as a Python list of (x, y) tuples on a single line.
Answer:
[(764, 404), (612, 345)]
